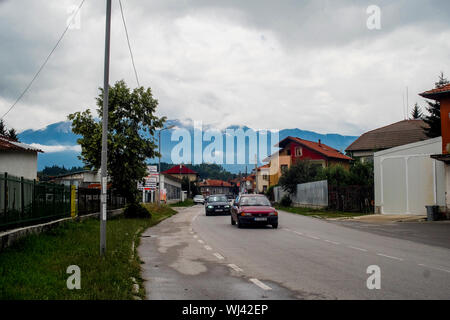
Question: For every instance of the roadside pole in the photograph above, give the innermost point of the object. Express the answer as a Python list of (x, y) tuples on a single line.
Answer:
[(104, 160)]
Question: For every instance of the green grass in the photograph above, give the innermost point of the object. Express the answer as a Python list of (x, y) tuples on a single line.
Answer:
[(35, 267), (319, 213), (186, 203)]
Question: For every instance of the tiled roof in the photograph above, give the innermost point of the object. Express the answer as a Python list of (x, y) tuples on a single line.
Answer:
[(321, 148), (9, 145), (393, 135), (214, 183), (436, 92), (176, 170)]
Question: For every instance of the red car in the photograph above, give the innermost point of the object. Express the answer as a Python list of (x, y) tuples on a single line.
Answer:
[(253, 209)]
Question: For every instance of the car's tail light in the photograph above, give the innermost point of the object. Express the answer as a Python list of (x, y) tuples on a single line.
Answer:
[(273, 213), (246, 214)]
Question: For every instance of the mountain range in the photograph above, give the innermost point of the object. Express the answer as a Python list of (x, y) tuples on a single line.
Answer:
[(60, 146)]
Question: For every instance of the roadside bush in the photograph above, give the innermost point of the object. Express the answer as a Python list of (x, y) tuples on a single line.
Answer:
[(286, 201), (136, 210), (269, 193)]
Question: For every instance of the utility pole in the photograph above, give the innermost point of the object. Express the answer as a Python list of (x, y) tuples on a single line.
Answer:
[(104, 160)]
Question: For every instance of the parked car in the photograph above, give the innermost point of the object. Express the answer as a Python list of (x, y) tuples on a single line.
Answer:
[(217, 204), (254, 209), (199, 199)]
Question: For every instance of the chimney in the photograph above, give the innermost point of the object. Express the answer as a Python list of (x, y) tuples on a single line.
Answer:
[(319, 142)]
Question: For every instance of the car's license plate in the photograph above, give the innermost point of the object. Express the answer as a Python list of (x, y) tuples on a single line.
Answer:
[(219, 210), (260, 219)]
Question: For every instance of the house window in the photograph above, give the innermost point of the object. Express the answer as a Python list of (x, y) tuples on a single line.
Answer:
[(284, 168), (265, 177), (264, 189), (298, 151)]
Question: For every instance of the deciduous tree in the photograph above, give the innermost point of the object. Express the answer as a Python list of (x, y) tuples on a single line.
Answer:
[(131, 127)]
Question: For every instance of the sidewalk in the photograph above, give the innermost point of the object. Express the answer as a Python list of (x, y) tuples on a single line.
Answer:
[(385, 218)]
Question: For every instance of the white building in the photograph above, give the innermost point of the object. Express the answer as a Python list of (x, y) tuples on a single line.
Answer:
[(170, 189), (18, 159), (79, 179), (407, 179)]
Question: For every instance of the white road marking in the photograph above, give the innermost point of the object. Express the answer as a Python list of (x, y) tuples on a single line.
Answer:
[(208, 248), (235, 268), (195, 236), (260, 284), (436, 268), (313, 237), (299, 233), (391, 257), (356, 248), (333, 242), (201, 241), (218, 256), (287, 229)]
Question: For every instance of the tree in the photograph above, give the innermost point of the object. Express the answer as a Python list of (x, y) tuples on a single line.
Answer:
[(8, 133), (434, 109), (300, 172), (3, 129), (416, 113), (131, 128)]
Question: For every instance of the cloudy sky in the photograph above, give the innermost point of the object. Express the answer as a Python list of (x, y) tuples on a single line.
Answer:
[(312, 65)]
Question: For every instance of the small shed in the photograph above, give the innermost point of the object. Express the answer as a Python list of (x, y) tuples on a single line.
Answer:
[(407, 179)]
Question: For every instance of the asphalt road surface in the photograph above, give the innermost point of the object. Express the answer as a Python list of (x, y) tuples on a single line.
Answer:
[(191, 256)]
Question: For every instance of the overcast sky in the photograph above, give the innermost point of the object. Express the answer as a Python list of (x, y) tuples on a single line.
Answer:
[(312, 65)]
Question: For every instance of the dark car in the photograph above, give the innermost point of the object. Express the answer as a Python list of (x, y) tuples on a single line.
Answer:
[(217, 204), (254, 209)]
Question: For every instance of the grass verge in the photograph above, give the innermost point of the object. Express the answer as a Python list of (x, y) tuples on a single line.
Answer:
[(318, 213), (186, 203), (35, 267)]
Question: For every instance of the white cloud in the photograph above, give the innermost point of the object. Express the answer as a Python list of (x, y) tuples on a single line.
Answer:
[(56, 148), (311, 65)]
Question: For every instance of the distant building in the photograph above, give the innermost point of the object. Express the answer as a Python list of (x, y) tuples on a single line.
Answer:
[(18, 159), (170, 188), (209, 187), (262, 178), (83, 179), (390, 136), (294, 149), (181, 171)]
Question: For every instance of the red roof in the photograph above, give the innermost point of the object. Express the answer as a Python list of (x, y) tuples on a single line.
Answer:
[(433, 93), (321, 148), (214, 183), (10, 145), (176, 170)]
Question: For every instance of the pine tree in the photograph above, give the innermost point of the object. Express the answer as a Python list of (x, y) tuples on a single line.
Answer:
[(416, 112), (434, 109), (12, 135), (2, 128)]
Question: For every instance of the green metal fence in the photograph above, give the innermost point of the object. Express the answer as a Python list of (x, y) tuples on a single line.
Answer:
[(24, 202), (27, 202)]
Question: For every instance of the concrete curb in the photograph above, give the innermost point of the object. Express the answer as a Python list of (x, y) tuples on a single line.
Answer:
[(7, 238)]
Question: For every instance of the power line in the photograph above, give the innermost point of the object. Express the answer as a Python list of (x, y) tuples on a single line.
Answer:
[(128, 41), (45, 62)]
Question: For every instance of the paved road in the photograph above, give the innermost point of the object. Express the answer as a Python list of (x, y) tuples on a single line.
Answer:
[(191, 256)]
